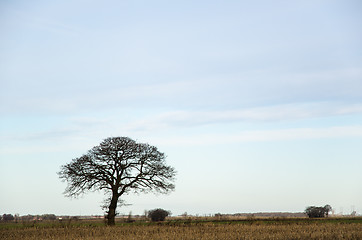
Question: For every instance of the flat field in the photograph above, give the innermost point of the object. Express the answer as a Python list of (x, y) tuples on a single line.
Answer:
[(286, 228)]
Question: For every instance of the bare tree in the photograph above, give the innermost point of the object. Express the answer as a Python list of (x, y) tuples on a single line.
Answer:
[(118, 166)]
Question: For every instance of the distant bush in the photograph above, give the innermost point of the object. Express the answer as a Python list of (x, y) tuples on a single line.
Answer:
[(48, 217), (158, 214), (318, 212), (8, 217)]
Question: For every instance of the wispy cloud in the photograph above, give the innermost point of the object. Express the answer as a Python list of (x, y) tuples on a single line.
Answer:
[(265, 136), (250, 88), (285, 112), (39, 22), (96, 128)]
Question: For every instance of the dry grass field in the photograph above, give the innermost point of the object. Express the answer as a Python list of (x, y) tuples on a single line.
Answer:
[(251, 229)]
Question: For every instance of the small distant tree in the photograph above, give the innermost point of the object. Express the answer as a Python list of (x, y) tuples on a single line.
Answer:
[(129, 218), (17, 217), (158, 214), (327, 209), (318, 212), (145, 215)]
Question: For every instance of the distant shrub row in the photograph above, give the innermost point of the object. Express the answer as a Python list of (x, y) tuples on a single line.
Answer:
[(10, 217)]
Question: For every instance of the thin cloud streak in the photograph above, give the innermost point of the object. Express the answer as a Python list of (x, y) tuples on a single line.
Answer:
[(286, 112), (19, 17), (91, 127), (293, 134), (238, 89)]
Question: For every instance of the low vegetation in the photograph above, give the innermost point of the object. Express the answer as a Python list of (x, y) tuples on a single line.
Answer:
[(190, 228), (318, 212), (157, 215)]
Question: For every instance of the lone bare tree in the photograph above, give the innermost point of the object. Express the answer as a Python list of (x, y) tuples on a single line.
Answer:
[(118, 165)]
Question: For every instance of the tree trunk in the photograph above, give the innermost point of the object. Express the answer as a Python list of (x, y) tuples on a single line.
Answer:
[(112, 210)]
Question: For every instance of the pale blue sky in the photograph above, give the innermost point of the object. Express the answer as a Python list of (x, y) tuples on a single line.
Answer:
[(257, 104)]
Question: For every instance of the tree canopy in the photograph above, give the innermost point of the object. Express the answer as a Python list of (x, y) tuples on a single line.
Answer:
[(118, 166), (318, 212), (158, 214)]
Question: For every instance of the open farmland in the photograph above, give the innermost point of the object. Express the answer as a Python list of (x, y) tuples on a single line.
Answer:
[(285, 228)]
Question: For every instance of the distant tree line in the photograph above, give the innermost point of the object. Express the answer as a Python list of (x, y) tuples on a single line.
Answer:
[(154, 215), (16, 217), (7, 217), (159, 214)]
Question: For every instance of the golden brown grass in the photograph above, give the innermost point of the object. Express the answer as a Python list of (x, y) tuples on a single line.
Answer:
[(198, 230)]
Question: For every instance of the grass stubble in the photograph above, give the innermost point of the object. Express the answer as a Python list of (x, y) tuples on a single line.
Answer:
[(258, 229)]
